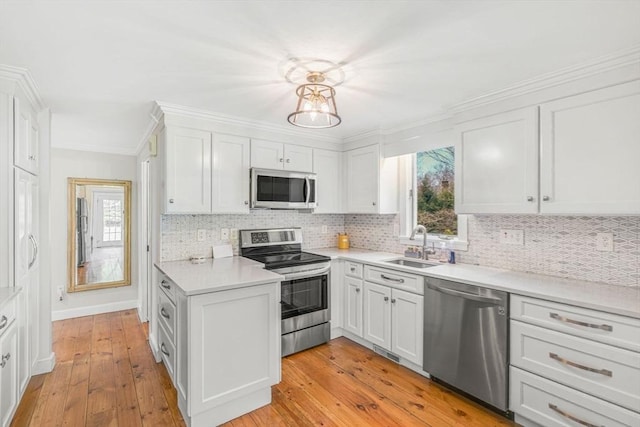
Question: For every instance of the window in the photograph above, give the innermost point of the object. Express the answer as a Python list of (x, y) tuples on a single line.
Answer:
[(434, 191), (112, 220)]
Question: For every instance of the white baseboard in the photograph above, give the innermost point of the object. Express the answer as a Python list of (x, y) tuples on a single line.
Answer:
[(43, 366), (93, 309)]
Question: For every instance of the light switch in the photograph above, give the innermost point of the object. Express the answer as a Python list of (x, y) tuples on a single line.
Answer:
[(512, 237), (202, 234), (604, 242), (224, 234)]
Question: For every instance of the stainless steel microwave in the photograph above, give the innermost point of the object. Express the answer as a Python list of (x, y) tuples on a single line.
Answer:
[(279, 189)]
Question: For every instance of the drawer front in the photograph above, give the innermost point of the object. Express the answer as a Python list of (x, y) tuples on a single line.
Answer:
[(167, 315), (167, 352), (553, 405), (353, 269), (601, 370), (167, 286), (394, 279), (608, 328), (7, 315)]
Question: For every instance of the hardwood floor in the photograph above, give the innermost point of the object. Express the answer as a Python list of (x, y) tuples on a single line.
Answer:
[(105, 375)]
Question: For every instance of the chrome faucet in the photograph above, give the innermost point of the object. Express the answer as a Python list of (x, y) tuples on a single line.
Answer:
[(421, 229)]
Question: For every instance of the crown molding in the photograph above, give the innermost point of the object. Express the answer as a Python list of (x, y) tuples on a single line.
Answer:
[(22, 77), (618, 59), (155, 115), (195, 113)]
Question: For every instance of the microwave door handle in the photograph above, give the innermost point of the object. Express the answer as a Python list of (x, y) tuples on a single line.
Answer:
[(307, 188)]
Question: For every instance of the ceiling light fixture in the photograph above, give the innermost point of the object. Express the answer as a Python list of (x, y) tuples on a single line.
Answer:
[(316, 108)]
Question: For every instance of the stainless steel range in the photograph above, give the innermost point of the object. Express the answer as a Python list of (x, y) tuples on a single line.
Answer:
[(304, 290)]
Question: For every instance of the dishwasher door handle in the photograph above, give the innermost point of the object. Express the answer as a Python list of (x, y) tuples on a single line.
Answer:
[(465, 295)]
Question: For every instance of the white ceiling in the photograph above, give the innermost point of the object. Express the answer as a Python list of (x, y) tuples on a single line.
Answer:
[(100, 64)]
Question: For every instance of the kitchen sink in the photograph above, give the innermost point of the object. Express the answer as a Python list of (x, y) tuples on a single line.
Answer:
[(415, 263)]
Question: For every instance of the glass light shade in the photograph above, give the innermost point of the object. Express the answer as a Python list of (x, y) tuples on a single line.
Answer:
[(316, 108)]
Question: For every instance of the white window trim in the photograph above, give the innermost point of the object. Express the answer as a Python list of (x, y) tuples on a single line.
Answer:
[(408, 207)]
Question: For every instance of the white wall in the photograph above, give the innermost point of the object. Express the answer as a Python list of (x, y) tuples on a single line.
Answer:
[(82, 164)]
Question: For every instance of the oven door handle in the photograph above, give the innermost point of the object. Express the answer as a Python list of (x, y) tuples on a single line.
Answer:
[(307, 273)]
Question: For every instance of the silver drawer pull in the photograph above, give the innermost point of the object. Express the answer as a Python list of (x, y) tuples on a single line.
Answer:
[(571, 417), (163, 349), (556, 316), (5, 357), (165, 284), (605, 372), (164, 313), (393, 279), (3, 322)]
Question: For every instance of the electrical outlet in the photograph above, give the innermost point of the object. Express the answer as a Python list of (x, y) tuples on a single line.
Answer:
[(512, 237), (202, 234), (233, 234), (60, 293), (224, 234), (324, 229), (604, 242)]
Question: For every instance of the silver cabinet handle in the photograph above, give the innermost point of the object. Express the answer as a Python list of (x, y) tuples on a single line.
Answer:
[(546, 198), (163, 349), (170, 200), (392, 279), (373, 203), (281, 160), (357, 289), (5, 357), (530, 199), (605, 372), (165, 284), (3, 322), (34, 243), (353, 269), (604, 327), (246, 202), (393, 300), (288, 160), (572, 417), (164, 313), (386, 298)]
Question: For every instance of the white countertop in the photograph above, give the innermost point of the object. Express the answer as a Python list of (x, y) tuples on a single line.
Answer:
[(620, 300), (215, 275)]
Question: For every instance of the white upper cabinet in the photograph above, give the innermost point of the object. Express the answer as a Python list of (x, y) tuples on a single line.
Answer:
[(275, 155), (187, 171), (590, 152), (327, 165), (231, 164), (372, 182), (497, 163), (206, 172), (26, 137)]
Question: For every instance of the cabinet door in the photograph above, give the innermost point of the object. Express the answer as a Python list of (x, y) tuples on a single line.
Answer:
[(298, 158), (267, 154), (26, 137), (188, 171), (352, 314), (377, 314), (327, 165), (363, 168), (230, 174), (497, 164), (407, 314), (23, 352), (8, 375), (25, 228), (590, 148)]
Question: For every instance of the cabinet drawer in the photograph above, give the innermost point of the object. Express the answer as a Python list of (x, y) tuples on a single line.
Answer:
[(167, 286), (553, 405), (601, 370), (394, 279), (167, 352), (608, 328), (7, 315), (353, 269), (167, 316)]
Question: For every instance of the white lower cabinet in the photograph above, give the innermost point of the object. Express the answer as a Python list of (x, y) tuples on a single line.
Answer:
[(565, 370), (352, 312), (9, 360), (393, 320)]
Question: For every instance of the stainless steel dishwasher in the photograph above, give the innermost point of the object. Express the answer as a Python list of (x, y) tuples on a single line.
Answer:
[(466, 339)]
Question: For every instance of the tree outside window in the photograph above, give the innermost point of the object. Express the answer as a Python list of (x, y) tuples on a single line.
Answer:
[(435, 191)]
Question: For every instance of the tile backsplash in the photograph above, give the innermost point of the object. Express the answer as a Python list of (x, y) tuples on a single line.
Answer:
[(561, 246), (179, 232)]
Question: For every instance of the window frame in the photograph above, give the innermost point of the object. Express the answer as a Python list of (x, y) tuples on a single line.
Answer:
[(409, 206)]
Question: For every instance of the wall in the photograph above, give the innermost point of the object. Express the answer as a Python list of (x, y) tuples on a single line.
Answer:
[(80, 164), (374, 232), (179, 232)]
